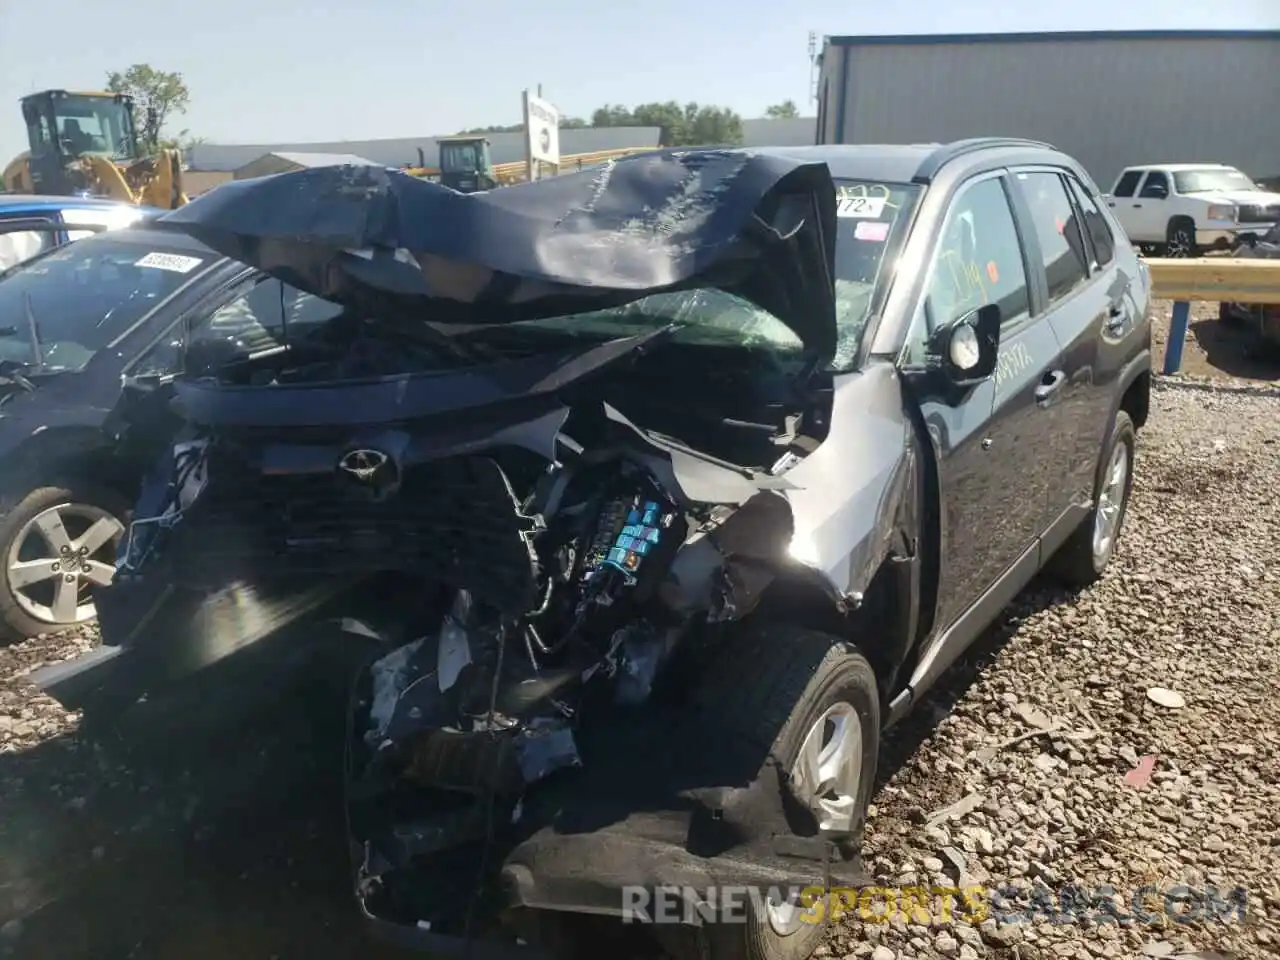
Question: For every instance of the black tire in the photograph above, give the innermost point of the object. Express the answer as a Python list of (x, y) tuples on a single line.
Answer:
[(767, 690), (1227, 314), (1077, 562), (16, 623), (1180, 238)]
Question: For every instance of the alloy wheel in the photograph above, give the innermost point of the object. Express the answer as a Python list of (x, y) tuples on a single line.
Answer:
[(56, 559), (826, 777), (1106, 520)]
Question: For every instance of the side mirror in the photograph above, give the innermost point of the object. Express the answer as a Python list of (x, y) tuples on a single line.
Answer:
[(1158, 193), (966, 349), (144, 382)]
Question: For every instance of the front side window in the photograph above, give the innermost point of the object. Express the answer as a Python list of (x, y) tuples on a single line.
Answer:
[(1062, 250), (1211, 180), (1156, 186), (977, 261), (60, 309), (94, 125)]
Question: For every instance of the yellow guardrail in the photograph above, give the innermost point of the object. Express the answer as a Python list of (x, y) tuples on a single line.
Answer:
[(516, 169), (1208, 279)]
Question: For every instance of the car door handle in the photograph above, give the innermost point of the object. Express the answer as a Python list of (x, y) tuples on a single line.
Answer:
[(1052, 383), (1136, 206)]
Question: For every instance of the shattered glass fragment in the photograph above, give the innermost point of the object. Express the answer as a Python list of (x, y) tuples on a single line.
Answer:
[(544, 746)]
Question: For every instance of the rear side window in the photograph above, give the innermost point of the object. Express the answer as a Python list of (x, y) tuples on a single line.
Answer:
[(1104, 244), (1066, 265), (1128, 183)]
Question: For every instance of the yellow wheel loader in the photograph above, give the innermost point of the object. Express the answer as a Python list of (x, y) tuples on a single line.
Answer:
[(86, 144)]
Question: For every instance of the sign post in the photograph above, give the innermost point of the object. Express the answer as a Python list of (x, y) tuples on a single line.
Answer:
[(542, 134)]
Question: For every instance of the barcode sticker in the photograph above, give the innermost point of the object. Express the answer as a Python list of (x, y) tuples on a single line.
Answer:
[(172, 262)]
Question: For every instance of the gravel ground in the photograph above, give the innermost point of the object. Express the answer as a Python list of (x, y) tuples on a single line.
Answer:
[(238, 851), (1191, 605)]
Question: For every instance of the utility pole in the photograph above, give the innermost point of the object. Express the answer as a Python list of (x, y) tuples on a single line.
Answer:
[(813, 66)]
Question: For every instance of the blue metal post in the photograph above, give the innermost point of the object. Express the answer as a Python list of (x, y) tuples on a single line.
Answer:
[(1177, 336)]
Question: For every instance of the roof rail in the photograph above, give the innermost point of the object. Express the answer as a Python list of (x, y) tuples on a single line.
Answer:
[(950, 151)]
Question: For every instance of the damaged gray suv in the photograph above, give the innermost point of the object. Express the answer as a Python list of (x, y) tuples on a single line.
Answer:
[(705, 466)]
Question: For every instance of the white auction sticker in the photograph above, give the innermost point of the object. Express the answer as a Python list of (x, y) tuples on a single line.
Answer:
[(169, 261), (868, 207)]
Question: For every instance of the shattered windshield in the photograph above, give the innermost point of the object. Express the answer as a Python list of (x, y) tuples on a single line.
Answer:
[(1211, 180), (58, 310), (871, 225)]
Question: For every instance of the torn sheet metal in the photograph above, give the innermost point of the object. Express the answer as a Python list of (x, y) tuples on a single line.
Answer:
[(758, 226)]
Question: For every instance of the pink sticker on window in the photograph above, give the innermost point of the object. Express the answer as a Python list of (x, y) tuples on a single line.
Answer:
[(876, 232)]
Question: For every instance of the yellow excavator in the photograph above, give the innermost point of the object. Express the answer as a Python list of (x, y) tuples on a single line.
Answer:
[(86, 144)]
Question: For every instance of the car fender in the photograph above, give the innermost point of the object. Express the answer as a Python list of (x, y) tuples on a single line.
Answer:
[(848, 496), (1135, 368), (32, 451)]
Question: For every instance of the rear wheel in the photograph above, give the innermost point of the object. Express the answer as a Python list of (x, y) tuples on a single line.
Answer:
[(825, 696), (1084, 557), (57, 544)]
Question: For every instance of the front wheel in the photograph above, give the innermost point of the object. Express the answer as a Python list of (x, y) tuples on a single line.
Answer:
[(1181, 239), (57, 544), (826, 695), (1084, 557)]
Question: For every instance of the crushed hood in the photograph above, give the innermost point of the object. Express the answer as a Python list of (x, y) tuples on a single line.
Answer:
[(758, 226)]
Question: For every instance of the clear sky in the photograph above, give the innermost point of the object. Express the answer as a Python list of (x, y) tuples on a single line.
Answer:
[(281, 70)]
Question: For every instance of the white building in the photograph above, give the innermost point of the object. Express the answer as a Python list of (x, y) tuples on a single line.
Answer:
[(1110, 99)]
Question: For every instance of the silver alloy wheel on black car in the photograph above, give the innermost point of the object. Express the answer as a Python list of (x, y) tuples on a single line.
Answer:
[(1085, 556), (57, 546), (828, 742)]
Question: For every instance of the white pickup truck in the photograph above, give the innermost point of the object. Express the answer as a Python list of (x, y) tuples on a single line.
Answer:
[(1183, 209)]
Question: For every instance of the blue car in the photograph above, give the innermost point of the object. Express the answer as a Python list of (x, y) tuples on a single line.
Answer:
[(31, 225)]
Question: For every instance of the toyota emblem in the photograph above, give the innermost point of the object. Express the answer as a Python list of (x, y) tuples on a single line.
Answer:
[(363, 464)]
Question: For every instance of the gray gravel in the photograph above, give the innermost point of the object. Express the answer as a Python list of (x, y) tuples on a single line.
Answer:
[(1190, 606)]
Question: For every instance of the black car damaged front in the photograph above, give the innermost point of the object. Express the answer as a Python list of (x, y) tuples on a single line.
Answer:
[(591, 489)]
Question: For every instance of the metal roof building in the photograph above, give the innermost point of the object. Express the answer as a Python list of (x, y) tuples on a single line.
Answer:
[(286, 161), (504, 147), (1111, 99)]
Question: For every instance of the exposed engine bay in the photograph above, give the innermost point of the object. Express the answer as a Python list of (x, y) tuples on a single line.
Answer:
[(569, 553), (570, 413)]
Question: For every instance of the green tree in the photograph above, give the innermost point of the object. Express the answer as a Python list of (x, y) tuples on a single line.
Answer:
[(566, 123), (681, 126), (157, 96), (786, 110)]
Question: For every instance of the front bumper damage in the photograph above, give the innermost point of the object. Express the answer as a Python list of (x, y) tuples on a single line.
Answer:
[(598, 817), (533, 743)]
